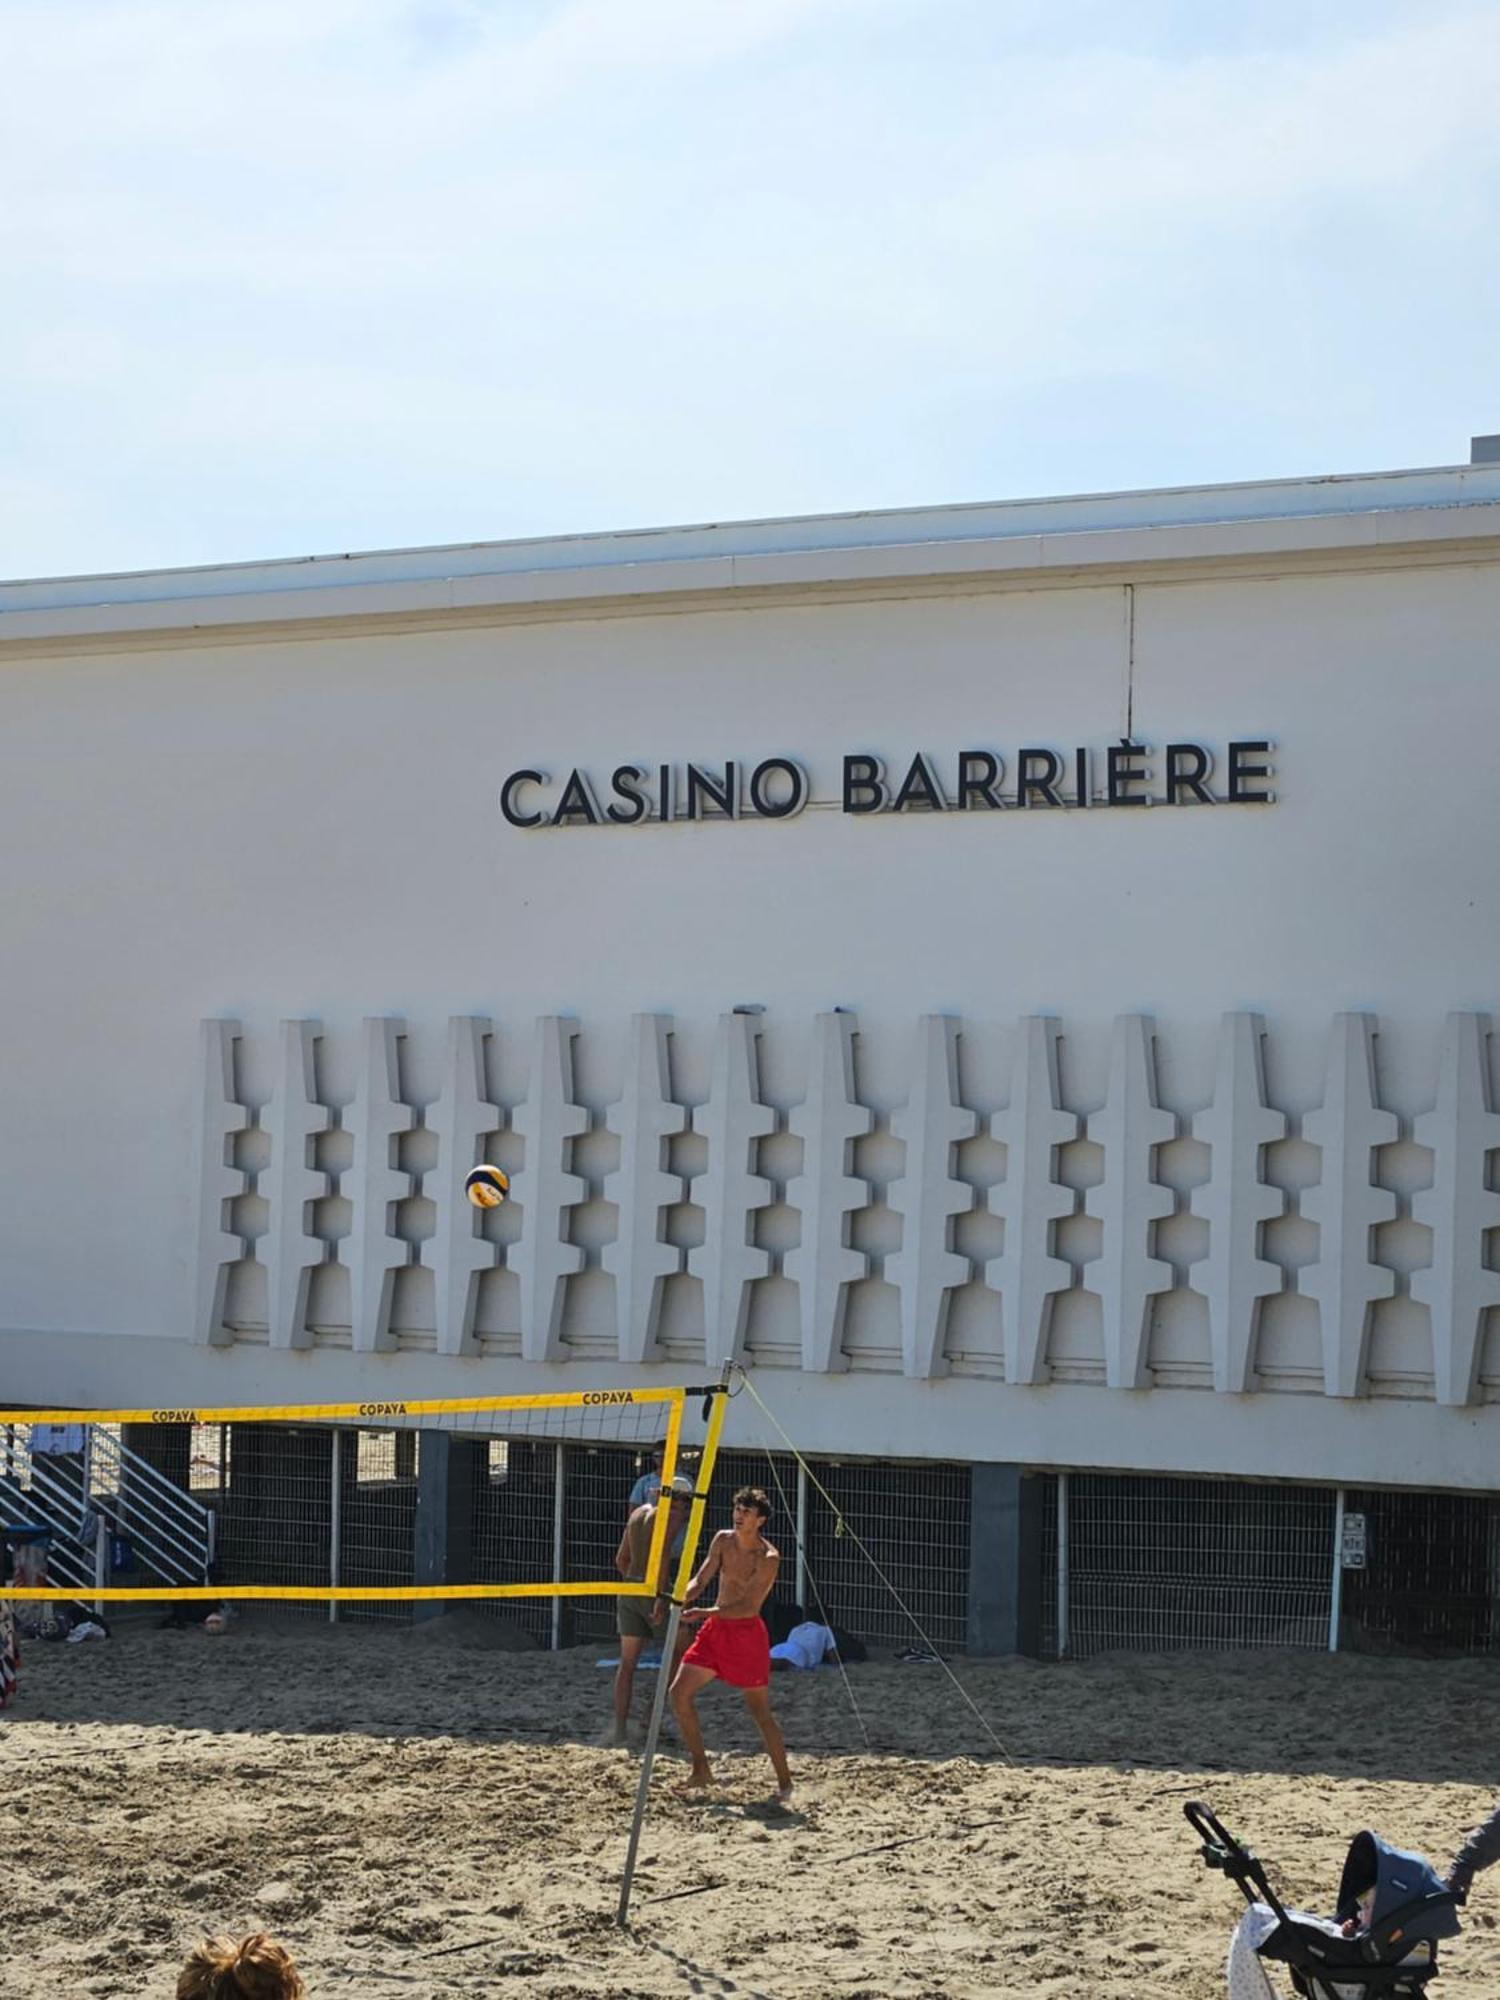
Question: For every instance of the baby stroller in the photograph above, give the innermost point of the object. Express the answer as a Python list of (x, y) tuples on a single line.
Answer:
[(1398, 1903)]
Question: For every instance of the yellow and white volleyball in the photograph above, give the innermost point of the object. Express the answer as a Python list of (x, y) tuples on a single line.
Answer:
[(487, 1187), (214, 1622)]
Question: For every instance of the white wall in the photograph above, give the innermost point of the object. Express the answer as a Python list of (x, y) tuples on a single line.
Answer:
[(307, 829)]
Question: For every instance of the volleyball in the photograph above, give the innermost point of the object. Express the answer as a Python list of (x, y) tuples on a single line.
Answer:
[(487, 1187), (214, 1622)]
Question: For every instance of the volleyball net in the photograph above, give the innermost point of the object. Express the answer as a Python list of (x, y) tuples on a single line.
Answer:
[(383, 1503)]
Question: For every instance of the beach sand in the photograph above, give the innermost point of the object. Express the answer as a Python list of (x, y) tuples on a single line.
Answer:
[(420, 1814)]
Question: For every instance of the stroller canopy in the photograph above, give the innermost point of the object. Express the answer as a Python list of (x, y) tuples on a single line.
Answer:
[(1400, 1879)]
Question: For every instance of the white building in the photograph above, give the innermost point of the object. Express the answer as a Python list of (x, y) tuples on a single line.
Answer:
[(1117, 1094)]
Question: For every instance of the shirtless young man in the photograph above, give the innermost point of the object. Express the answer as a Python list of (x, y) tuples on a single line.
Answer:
[(639, 1619), (732, 1643)]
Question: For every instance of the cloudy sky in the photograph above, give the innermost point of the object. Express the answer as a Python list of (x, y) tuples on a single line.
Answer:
[(296, 276)]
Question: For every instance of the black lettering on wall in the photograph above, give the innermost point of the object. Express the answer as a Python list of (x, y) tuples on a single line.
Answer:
[(508, 792), (1037, 773), (864, 785), (1128, 765), (626, 784), (1081, 786), (721, 792), (979, 775), (664, 794), (1188, 764), (577, 803), (1247, 771), (919, 789), (764, 799)]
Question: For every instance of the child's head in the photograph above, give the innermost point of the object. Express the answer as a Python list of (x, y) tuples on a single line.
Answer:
[(250, 1968)]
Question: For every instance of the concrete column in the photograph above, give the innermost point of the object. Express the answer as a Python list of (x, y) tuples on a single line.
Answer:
[(448, 1469), (1005, 1546)]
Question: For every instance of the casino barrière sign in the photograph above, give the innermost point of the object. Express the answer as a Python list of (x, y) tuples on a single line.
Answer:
[(1125, 773)]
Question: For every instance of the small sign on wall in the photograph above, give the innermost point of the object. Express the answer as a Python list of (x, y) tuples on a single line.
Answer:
[(1355, 1551)]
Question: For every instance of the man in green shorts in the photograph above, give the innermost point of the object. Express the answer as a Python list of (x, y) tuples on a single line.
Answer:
[(641, 1618)]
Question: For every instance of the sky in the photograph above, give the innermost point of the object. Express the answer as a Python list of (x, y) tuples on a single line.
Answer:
[(285, 277)]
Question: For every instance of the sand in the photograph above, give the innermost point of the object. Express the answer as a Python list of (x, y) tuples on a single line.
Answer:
[(418, 1814)]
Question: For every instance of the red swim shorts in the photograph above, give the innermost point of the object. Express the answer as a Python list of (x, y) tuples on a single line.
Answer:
[(738, 1650)]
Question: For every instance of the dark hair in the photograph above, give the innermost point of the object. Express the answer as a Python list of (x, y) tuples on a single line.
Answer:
[(753, 1496)]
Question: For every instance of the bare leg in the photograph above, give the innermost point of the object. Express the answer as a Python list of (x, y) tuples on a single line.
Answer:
[(630, 1652), (758, 1701), (684, 1695)]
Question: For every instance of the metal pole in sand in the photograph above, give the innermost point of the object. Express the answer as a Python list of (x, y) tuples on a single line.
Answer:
[(648, 1758), (1336, 1581), (716, 1401)]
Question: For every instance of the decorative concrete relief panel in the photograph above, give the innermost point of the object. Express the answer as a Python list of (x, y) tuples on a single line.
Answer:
[(733, 1121), (548, 1121), (463, 1120), (1235, 1201), (827, 1195), (1462, 1131), (1346, 1204), (219, 1182), (1129, 1201), (376, 1120), (643, 1189), (928, 1197), (1031, 1201), (293, 1119)]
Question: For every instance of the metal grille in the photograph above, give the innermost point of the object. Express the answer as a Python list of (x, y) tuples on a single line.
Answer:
[(914, 1520), (513, 1529), (274, 1512), (1166, 1564), (1432, 1570), (1046, 1582), (378, 1504), (597, 1479)]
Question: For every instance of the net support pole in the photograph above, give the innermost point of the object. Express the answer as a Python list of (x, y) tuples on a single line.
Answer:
[(669, 1648), (335, 1519), (1336, 1582), (1062, 1565), (648, 1759)]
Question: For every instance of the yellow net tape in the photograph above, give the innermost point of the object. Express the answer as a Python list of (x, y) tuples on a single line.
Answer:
[(397, 1413)]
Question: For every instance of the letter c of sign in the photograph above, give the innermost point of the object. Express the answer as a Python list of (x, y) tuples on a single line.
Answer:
[(507, 797)]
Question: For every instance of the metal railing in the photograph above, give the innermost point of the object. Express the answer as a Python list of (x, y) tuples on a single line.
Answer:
[(86, 1498)]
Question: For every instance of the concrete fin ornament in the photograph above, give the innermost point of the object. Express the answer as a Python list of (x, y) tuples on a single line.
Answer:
[(1031, 1201), (733, 1121), (376, 1119), (1235, 1201), (464, 1121), (548, 1121), (826, 1193), (1129, 1201), (643, 1189), (293, 1119), (928, 1196), (220, 1117), (1461, 1131), (1347, 1205)]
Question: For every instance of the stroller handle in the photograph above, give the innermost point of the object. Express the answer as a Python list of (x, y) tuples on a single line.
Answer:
[(1223, 1852)]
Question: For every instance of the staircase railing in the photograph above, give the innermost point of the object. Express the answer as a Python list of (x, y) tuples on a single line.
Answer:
[(70, 1494)]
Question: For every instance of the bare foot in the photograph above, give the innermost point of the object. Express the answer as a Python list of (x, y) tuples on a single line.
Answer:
[(614, 1737), (783, 1795), (699, 1786)]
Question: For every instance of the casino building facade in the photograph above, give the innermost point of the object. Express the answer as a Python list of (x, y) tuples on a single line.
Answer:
[(1018, 979)]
